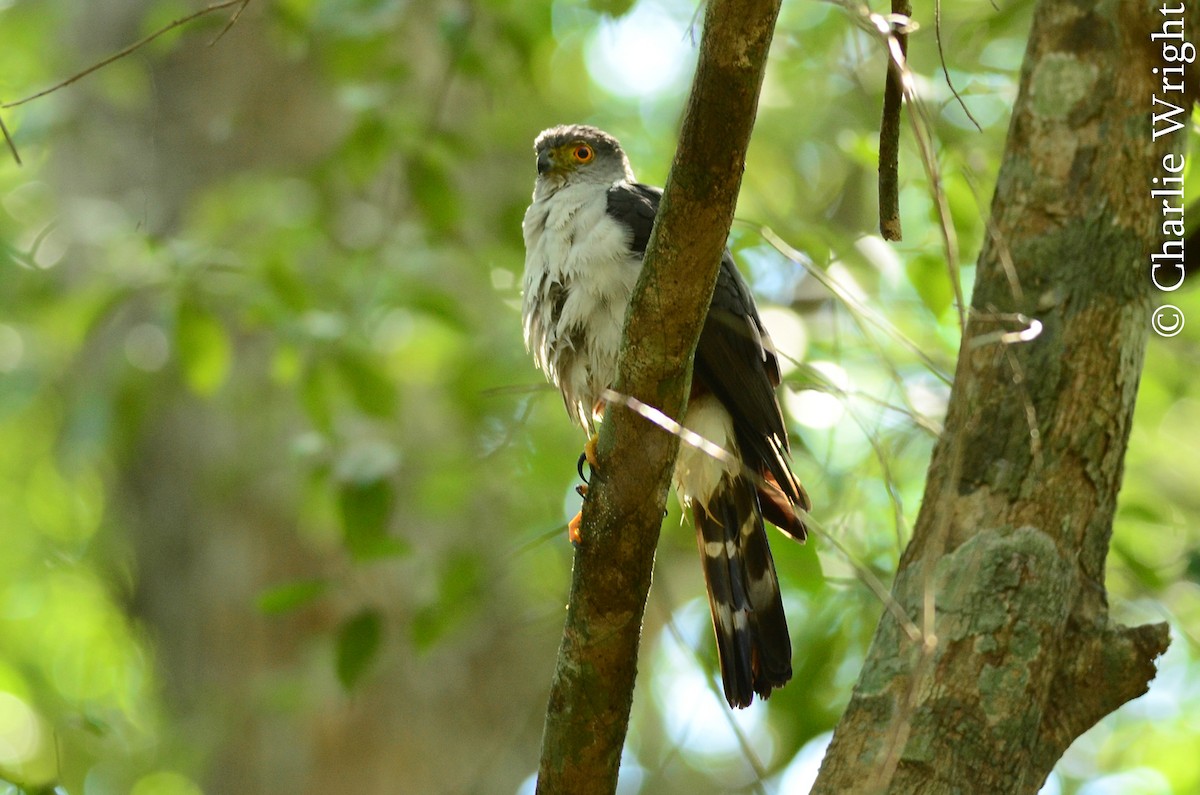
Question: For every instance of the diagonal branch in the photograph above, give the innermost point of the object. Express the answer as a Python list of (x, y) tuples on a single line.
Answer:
[(592, 690), (889, 135), (12, 146), (137, 45)]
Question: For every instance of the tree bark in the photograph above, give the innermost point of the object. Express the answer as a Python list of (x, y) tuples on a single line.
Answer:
[(1012, 653), (592, 690)]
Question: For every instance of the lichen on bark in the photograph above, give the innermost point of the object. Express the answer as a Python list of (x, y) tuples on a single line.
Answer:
[(1005, 571)]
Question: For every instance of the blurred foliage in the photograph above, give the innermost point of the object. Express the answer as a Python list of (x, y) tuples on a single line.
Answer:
[(268, 430)]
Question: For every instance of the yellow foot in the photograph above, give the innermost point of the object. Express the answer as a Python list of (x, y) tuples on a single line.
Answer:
[(573, 530), (589, 455), (589, 450), (573, 533)]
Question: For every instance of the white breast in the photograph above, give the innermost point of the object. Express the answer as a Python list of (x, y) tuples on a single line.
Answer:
[(578, 280), (698, 474)]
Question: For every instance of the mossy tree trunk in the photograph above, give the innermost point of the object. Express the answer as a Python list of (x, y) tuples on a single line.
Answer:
[(1011, 653), (592, 690)]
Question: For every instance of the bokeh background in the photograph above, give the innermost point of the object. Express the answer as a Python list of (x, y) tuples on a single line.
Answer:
[(281, 495)]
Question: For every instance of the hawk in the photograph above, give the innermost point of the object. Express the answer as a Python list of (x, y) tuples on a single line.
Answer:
[(585, 236)]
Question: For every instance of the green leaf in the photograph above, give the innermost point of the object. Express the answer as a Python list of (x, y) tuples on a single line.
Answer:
[(797, 565), (205, 352), (1145, 575), (357, 644), (1192, 570), (931, 281), (314, 396), (371, 390), (290, 595), (286, 286), (432, 191), (159, 16), (365, 510), (614, 8), (460, 587)]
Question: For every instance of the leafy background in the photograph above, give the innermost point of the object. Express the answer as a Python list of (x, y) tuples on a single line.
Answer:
[(281, 495)]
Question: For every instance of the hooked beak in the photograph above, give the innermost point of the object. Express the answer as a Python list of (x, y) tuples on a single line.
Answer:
[(543, 162)]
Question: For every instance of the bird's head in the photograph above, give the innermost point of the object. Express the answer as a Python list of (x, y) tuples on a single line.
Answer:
[(575, 153)]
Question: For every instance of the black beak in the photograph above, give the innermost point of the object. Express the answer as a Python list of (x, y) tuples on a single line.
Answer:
[(544, 163)]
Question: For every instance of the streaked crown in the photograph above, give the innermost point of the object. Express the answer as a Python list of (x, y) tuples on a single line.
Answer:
[(577, 152)]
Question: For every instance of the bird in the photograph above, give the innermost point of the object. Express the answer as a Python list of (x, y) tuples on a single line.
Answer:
[(586, 232)]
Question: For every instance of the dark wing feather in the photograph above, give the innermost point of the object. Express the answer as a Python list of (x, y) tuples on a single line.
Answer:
[(734, 361), (635, 205)]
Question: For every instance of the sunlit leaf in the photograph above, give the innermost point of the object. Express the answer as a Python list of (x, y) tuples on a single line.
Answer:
[(165, 782), (314, 395), (931, 281), (205, 352), (286, 286), (1151, 579), (290, 595)]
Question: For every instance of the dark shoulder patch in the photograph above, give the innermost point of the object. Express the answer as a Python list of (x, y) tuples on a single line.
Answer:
[(635, 206)]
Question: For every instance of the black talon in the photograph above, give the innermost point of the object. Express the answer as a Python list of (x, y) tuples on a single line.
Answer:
[(579, 467), (582, 490)]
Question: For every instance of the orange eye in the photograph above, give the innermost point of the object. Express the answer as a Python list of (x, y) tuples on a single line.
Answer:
[(583, 153)]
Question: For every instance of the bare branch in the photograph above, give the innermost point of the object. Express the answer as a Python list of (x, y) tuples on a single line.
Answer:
[(12, 145), (937, 35), (592, 691), (233, 18), (132, 48), (889, 136)]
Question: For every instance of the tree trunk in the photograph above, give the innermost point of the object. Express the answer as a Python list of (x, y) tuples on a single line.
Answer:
[(592, 690), (1011, 653)]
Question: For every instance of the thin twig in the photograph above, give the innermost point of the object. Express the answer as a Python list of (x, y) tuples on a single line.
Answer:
[(937, 35), (709, 448), (918, 118), (744, 744), (233, 18), (130, 49), (899, 731), (453, 64), (12, 146), (859, 309), (997, 239), (889, 136), (868, 578)]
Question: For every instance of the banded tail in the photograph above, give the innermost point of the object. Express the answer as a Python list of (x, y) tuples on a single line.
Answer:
[(753, 645)]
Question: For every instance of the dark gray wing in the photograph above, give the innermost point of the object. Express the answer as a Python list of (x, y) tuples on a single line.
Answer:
[(635, 205), (734, 360)]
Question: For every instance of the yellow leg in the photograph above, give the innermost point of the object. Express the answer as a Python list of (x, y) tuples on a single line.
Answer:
[(589, 455), (573, 534), (589, 450)]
